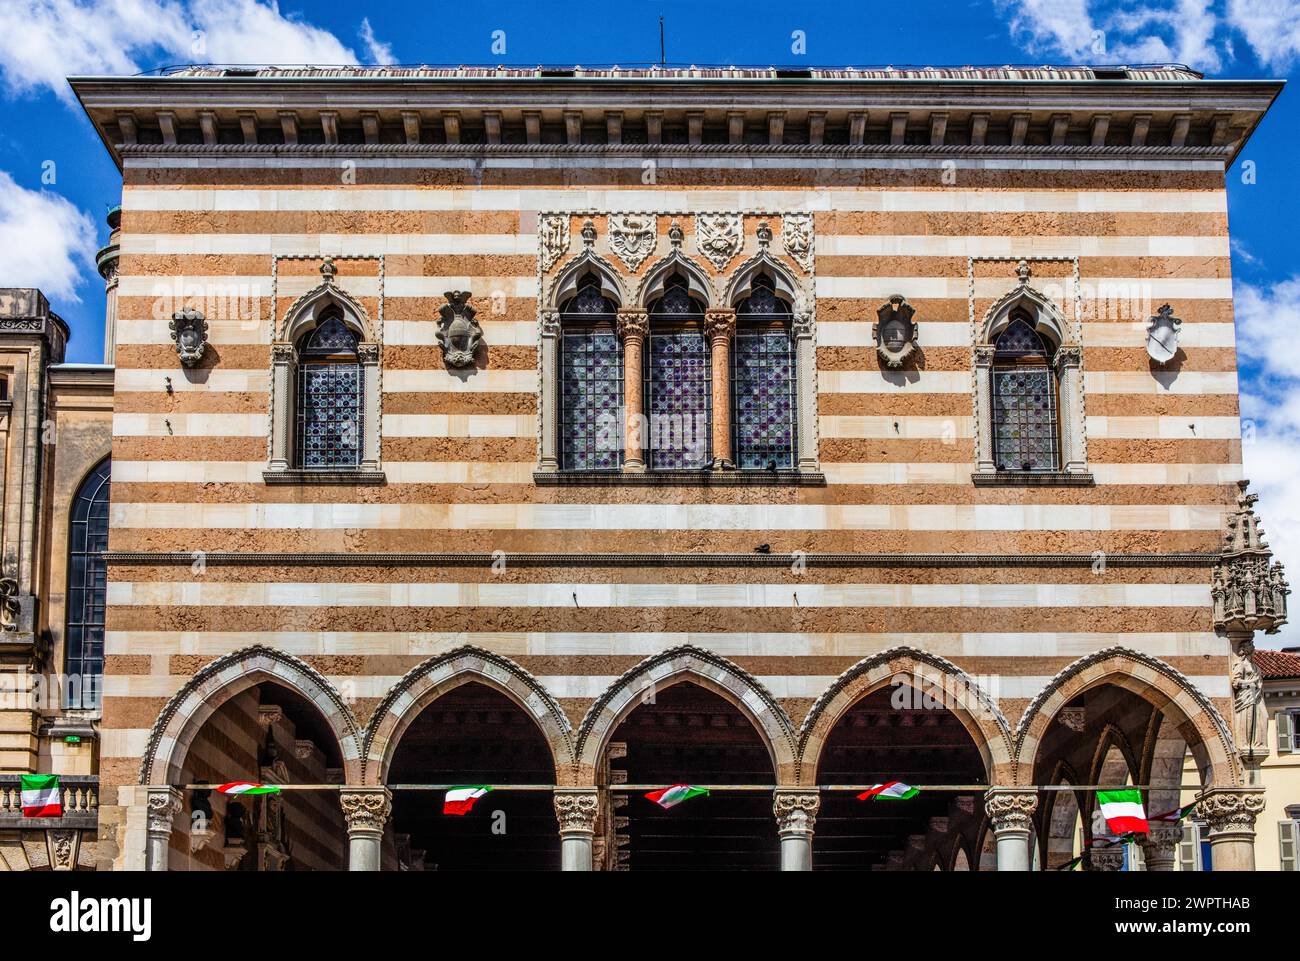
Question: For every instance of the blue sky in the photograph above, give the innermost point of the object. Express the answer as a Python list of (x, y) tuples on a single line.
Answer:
[(56, 181)]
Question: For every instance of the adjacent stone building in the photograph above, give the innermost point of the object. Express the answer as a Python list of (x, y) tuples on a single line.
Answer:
[(581, 432)]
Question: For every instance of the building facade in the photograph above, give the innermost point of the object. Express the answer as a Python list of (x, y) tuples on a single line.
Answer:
[(583, 432)]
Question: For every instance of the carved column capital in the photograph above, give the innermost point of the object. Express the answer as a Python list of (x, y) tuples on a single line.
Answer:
[(284, 354), (576, 810), (1068, 356), (163, 804), (368, 353), (796, 809), (633, 324), (1231, 810), (1160, 845), (720, 322), (1106, 857), (550, 323), (1010, 808), (366, 809), (984, 354)]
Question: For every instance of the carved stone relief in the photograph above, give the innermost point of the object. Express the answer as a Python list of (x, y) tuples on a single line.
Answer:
[(633, 237), (719, 237)]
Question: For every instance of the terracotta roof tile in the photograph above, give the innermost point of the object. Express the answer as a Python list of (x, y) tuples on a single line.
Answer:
[(1278, 664)]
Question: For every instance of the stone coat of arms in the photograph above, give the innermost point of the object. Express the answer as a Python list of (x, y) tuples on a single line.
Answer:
[(1162, 335), (718, 237), (633, 237), (797, 238), (459, 334), (552, 238)]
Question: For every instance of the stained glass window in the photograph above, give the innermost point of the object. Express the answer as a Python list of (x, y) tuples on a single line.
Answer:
[(678, 384), (1025, 432), (329, 397), (763, 397), (83, 643), (591, 384)]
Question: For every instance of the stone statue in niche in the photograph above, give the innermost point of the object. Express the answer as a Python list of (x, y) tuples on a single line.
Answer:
[(895, 332), (1162, 335), (459, 334), (189, 330)]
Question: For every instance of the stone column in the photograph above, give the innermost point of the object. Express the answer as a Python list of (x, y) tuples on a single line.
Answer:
[(366, 810), (549, 459), (1069, 373), (633, 327), (805, 365), (796, 813), (576, 809), (984, 462), (720, 324), (284, 360), (1230, 814), (1160, 845), (163, 804), (1011, 810), (368, 355)]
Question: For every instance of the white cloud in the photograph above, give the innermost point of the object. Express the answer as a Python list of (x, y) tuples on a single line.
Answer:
[(1267, 319), (48, 242), (44, 41), (1199, 33), (376, 50)]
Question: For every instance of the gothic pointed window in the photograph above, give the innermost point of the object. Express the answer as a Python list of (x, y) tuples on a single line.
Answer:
[(677, 378), (329, 397), (591, 382), (1026, 431), (763, 381), (83, 640)]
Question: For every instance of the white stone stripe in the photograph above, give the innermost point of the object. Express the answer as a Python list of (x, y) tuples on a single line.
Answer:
[(525, 244), (798, 198), (521, 472), (396, 332), (645, 643), (223, 379), (947, 334), (210, 593), (804, 686), (1113, 293), (240, 288), (953, 428), (960, 382), (669, 517)]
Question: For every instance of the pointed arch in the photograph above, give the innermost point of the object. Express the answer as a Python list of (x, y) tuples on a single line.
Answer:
[(212, 686), (656, 277), (1044, 316), (308, 310), (566, 282), (429, 680), (976, 711), (784, 283), (1112, 737), (1168, 690), (698, 666)]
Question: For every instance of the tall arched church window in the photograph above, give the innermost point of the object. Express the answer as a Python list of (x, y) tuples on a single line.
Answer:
[(330, 410), (677, 377), (83, 639), (763, 381), (591, 382), (1026, 428)]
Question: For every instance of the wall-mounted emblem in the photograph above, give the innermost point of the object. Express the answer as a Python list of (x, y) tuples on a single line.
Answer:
[(189, 332), (632, 237), (797, 238), (718, 237), (552, 239), (1162, 335), (895, 331), (459, 334)]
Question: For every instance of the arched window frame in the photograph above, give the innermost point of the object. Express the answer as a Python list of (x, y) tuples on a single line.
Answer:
[(1067, 367), (584, 328), (83, 635), (764, 312), (310, 311), (677, 310), (1009, 363)]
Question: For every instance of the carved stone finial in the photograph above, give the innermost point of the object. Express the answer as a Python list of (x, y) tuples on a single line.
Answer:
[(588, 232), (458, 332), (1248, 587), (189, 330), (328, 271), (1023, 272), (764, 234)]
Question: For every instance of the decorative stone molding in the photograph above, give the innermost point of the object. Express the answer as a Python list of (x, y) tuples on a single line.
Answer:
[(63, 847), (366, 810), (552, 239), (1075, 718), (189, 332), (633, 238), (718, 237), (459, 334), (1106, 857), (576, 809), (797, 238), (796, 810), (895, 332), (1162, 335)]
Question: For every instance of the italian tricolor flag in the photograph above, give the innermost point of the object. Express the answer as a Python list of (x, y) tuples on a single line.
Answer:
[(41, 796), (895, 790), (248, 787), (672, 796), (1123, 811), (460, 800)]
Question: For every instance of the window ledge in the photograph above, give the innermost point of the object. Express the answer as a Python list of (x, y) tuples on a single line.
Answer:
[(309, 477), (685, 478), (1032, 478)]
